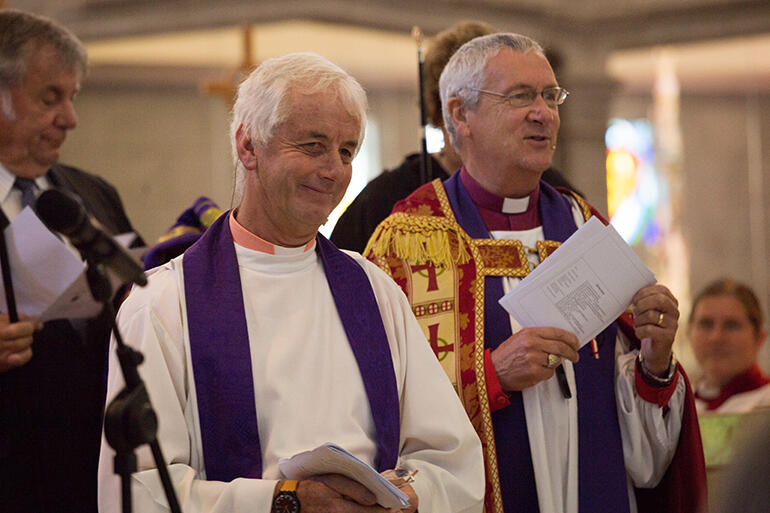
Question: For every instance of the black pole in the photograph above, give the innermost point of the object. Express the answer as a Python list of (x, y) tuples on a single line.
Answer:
[(426, 173), (129, 420), (5, 265)]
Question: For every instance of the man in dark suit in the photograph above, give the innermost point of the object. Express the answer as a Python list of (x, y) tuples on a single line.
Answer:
[(52, 374)]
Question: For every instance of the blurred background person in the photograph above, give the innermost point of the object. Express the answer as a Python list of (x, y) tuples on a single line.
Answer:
[(727, 330), (376, 200)]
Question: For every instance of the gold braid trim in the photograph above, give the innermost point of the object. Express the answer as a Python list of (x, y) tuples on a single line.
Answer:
[(546, 247), (210, 215), (490, 458), (419, 239), (176, 232), (493, 474), (584, 206)]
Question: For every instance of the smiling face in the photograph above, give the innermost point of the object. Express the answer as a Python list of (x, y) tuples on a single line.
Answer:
[(296, 179), (723, 338), (507, 148), (43, 112)]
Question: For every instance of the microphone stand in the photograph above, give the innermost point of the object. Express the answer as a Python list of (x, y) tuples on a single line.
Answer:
[(130, 420)]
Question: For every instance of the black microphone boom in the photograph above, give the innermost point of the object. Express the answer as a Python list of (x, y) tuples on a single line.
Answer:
[(62, 212)]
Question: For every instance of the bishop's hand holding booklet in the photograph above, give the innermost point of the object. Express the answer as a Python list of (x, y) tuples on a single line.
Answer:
[(581, 287), (330, 458)]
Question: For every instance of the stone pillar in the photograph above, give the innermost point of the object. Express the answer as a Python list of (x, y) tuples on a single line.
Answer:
[(581, 153)]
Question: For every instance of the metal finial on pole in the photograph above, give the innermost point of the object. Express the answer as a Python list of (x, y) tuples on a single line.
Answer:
[(425, 164)]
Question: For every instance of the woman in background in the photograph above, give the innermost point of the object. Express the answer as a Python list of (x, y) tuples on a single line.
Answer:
[(726, 329)]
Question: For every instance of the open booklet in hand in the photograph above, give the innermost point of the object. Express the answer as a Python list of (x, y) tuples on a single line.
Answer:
[(333, 459)]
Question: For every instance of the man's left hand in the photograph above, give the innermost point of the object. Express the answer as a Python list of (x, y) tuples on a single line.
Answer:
[(656, 318), (402, 483), (16, 341), (409, 491)]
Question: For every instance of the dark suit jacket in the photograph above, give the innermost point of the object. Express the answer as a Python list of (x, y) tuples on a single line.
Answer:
[(51, 408)]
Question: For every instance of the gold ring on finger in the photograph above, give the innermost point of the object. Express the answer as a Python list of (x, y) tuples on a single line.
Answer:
[(553, 361)]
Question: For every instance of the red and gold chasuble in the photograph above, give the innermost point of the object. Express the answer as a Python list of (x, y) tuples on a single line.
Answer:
[(441, 270)]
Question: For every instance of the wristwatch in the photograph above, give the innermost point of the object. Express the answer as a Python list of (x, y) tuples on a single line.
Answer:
[(286, 501), (653, 380)]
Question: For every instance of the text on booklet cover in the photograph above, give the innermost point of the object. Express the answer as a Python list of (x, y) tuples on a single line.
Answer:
[(582, 286)]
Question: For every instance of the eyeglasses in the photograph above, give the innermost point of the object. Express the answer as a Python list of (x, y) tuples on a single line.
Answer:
[(553, 96)]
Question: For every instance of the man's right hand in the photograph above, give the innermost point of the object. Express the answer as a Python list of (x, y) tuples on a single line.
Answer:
[(521, 361), (334, 493), (15, 342)]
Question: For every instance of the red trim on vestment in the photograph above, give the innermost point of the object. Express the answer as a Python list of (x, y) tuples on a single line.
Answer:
[(744, 382), (683, 487), (498, 399), (653, 394)]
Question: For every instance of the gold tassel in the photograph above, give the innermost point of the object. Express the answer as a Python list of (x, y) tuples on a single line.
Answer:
[(417, 240)]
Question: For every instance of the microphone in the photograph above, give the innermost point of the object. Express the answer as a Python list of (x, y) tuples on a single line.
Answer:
[(62, 212)]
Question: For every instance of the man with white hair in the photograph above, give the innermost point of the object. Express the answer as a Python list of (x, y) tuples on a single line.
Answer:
[(51, 379), (263, 340), (611, 430)]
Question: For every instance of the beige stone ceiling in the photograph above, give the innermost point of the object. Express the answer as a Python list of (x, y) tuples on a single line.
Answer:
[(618, 23), (735, 64), (714, 43), (376, 57)]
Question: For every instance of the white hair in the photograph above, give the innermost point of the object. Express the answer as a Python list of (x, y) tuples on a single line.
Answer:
[(262, 101), (465, 70)]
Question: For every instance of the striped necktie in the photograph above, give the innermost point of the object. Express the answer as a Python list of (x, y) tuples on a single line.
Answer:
[(28, 190)]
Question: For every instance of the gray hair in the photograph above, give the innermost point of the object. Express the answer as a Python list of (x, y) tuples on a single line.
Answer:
[(465, 70), (22, 32), (262, 101)]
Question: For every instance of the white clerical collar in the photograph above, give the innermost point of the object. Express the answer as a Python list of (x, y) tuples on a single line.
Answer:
[(707, 391), (515, 205), (485, 199)]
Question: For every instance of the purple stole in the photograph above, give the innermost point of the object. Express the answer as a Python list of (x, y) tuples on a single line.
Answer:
[(601, 472), (221, 359)]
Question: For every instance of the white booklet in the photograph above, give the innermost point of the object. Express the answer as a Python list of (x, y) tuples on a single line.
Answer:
[(583, 286), (330, 458)]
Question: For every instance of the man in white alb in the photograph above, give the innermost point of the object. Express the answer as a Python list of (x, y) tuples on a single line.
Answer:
[(264, 340)]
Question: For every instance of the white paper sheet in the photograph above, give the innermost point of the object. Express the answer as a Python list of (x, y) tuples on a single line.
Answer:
[(330, 458), (583, 286), (48, 278)]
